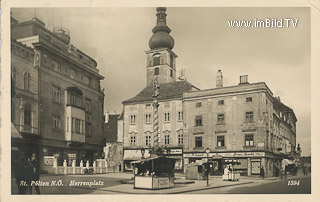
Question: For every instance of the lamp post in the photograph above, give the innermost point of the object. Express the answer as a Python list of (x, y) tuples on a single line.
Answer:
[(207, 151)]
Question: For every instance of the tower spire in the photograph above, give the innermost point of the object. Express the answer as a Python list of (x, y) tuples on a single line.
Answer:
[(161, 37)]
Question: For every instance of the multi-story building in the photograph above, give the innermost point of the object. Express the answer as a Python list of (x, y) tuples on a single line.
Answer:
[(236, 122), (113, 149), (58, 96), (243, 122)]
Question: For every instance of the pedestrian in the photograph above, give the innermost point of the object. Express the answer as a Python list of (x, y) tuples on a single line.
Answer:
[(304, 170), (261, 172), (19, 168), (34, 174)]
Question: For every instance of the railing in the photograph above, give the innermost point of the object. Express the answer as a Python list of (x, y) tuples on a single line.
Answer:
[(76, 170)]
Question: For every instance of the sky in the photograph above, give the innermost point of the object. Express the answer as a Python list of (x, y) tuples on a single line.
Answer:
[(117, 39)]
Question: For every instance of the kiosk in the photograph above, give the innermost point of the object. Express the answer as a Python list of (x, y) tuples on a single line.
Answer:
[(154, 173), (229, 173), (196, 171)]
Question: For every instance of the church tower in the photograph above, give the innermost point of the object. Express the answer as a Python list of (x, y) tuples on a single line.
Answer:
[(161, 60)]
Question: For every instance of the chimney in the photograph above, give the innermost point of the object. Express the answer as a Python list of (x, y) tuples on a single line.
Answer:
[(219, 79), (106, 117), (244, 80)]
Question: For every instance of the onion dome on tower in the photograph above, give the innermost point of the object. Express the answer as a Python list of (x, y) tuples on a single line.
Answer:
[(161, 37)]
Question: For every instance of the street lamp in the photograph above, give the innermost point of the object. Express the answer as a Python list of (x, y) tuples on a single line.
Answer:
[(207, 151)]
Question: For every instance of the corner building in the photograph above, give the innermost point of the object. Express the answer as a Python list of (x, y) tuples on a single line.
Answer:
[(237, 122), (67, 114), (243, 122)]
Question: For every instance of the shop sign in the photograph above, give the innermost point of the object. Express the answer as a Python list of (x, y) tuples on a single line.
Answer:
[(226, 154), (163, 182), (49, 160), (194, 155), (175, 151), (255, 159)]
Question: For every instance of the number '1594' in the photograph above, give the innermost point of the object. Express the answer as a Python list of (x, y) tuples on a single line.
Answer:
[(293, 182)]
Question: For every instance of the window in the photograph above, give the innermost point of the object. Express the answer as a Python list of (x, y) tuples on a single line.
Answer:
[(148, 106), (133, 119), (87, 105), (198, 104), (249, 140), (27, 115), (221, 102), (198, 141), (167, 117), (77, 126), (56, 122), (180, 137), (198, 120), (171, 60), (56, 94), (249, 116), (220, 141), (75, 98), (171, 72), (220, 119), (133, 140), (156, 59), (180, 116), (148, 140), (156, 71), (249, 99), (88, 130), (56, 66), (26, 81), (148, 118), (167, 139), (68, 122)]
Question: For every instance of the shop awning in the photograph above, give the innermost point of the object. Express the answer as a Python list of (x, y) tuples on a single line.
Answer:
[(153, 158), (15, 133), (134, 154), (289, 162)]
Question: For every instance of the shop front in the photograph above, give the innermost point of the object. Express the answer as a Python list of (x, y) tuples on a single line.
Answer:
[(250, 163), (176, 155), (63, 151)]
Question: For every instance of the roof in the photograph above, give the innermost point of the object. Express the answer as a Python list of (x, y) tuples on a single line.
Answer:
[(171, 90), (153, 158), (278, 105)]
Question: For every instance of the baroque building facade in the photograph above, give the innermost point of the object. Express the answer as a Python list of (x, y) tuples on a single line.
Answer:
[(60, 86), (243, 122)]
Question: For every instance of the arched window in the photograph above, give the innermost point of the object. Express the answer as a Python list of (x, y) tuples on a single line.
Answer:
[(27, 115), (156, 71), (26, 81), (171, 60), (156, 59)]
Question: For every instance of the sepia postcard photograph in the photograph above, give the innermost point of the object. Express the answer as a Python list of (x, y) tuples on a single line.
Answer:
[(154, 100)]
